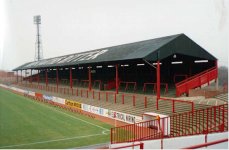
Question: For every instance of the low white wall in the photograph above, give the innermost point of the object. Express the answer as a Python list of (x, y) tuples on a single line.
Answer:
[(183, 142), (219, 136)]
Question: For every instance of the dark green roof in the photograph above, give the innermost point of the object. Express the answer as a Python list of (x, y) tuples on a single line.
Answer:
[(148, 50)]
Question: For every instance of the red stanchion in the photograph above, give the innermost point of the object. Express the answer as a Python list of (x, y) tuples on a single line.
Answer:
[(133, 100), (145, 102), (173, 106)]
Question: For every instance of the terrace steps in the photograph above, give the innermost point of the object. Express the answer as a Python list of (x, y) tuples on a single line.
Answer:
[(223, 97), (165, 107)]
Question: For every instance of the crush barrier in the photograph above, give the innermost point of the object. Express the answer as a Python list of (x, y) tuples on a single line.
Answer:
[(109, 96), (203, 121)]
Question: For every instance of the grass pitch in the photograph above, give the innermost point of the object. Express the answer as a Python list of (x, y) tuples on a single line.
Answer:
[(25, 123)]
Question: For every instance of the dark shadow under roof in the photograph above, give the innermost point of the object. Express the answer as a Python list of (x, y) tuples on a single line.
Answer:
[(148, 50)]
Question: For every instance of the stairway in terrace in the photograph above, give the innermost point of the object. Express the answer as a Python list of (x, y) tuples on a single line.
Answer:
[(197, 80)]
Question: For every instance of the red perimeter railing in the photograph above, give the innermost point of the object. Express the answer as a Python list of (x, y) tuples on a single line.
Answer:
[(137, 132), (207, 144), (208, 120), (196, 81)]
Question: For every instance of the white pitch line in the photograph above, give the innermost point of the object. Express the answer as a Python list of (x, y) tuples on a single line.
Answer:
[(49, 141), (75, 117), (81, 120)]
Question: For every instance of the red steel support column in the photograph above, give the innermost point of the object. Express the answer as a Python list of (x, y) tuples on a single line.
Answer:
[(158, 82), (116, 79), (46, 78), (70, 77), (133, 100), (57, 79), (145, 102), (89, 78)]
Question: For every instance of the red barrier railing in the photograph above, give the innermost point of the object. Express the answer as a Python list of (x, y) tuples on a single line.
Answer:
[(109, 96), (197, 75), (75, 81), (84, 82), (138, 131), (99, 82), (155, 86), (196, 81), (64, 81), (203, 121), (178, 101), (207, 144), (127, 84), (213, 119)]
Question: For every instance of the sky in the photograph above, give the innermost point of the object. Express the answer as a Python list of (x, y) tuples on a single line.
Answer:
[(71, 26)]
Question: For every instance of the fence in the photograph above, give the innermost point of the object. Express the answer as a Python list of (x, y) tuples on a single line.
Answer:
[(208, 120), (177, 101), (136, 132), (109, 96), (196, 81)]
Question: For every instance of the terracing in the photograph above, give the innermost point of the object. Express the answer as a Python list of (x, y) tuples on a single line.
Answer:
[(130, 103)]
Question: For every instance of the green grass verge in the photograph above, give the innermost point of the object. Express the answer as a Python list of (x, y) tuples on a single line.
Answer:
[(25, 123)]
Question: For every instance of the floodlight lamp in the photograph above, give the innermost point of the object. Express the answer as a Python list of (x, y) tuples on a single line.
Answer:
[(37, 19)]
